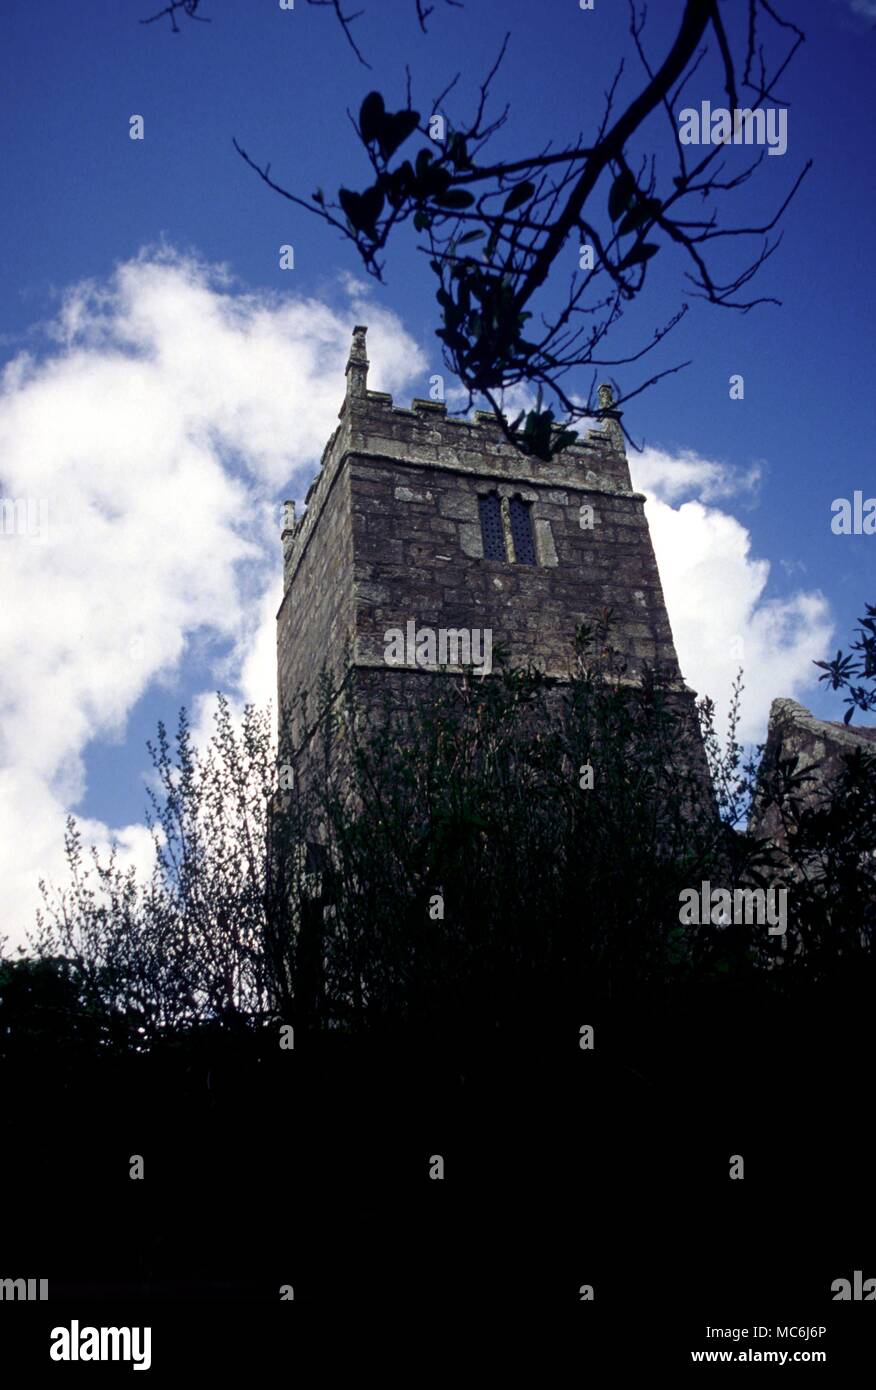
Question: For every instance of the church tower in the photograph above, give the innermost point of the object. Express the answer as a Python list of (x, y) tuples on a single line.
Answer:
[(419, 522)]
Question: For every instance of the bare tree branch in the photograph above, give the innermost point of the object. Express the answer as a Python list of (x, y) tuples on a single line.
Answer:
[(188, 8), (345, 20)]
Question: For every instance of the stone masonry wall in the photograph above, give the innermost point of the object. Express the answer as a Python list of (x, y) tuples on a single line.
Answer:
[(316, 621), (819, 745), (418, 555)]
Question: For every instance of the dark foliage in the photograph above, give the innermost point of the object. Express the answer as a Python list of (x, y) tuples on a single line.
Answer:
[(451, 861)]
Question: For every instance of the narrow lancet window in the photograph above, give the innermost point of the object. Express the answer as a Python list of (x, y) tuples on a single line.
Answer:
[(521, 531), (492, 531)]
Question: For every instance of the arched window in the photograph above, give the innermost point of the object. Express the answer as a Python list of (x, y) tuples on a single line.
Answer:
[(492, 530), (521, 531)]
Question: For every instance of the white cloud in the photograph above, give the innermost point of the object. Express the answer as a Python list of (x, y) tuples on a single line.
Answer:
[(686, 474), (715, 589), (171, 411)]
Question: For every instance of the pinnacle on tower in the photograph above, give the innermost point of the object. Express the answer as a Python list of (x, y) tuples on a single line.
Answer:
[(611, 415), (357, 364)]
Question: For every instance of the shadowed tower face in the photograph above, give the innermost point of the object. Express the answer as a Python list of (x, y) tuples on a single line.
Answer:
[(428, 541)]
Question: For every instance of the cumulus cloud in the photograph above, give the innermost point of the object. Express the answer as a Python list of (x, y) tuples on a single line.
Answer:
[(169, 413), (685, 474), (716, 590)]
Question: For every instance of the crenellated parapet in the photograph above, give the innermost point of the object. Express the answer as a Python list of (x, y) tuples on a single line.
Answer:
[(427, 436)]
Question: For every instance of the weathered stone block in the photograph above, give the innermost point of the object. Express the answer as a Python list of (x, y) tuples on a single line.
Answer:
[(373, 593), (408, 494), (461, 506), (544, 542), (471, 540)]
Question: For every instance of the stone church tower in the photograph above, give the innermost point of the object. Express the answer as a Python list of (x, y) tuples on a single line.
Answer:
[(418, 520)]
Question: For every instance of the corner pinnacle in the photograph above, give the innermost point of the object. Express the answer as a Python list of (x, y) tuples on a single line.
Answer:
[(357, 364)]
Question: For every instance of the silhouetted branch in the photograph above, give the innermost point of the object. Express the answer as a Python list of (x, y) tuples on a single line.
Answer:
[(188, 8)]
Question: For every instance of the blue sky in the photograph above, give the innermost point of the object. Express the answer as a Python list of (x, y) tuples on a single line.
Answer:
[(159, 579)]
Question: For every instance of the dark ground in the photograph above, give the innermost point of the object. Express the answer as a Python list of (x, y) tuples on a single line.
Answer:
[(562, 1167)]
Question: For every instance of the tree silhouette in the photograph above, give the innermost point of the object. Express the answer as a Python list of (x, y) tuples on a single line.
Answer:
[(447, 859)]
